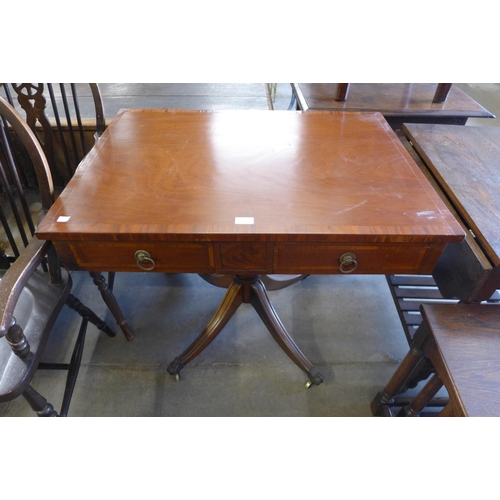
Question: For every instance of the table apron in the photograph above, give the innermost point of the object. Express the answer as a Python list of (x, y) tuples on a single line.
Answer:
[(251, 257)]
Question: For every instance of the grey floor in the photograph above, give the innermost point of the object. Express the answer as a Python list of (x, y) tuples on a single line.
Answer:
[(347, 325)]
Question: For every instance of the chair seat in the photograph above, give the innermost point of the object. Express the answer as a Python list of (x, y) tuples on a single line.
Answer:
[(39, 301)]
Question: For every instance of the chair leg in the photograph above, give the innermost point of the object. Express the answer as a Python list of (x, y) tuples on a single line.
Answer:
[(74, 368), (74, 365), (111, 281), (111, 302), (89, 315), (38, 403)]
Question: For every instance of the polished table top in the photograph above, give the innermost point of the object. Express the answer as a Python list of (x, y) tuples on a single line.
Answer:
[(265, 177), (245, 195)]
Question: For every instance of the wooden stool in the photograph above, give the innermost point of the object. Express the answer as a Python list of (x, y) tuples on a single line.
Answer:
[(463, 343)]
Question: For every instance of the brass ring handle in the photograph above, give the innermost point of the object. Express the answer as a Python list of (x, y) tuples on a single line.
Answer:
[(348, 263), (142, 257)]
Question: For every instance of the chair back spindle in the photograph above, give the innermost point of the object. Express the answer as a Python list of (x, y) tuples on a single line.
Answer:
[(64, 117), (31, 298)]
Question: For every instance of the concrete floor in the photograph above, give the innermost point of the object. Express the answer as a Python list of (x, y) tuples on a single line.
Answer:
[(346, 325)]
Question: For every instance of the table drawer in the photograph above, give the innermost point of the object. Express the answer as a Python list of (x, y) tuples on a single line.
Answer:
[(243, 257), (326, 258), (171, 257)]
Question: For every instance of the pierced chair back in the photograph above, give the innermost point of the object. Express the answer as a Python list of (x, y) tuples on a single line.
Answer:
[(66, 118), (20, 204), (30, 297)]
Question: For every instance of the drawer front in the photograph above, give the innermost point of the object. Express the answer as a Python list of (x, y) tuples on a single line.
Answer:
[(247, 257), (168, 257), (326, 258), (243, 257)]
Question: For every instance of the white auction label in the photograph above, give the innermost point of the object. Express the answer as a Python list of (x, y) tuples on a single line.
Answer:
[(243, 220), (63, 218)]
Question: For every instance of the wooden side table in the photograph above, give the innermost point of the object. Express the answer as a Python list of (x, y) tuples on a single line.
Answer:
[(398, 102), (465, 164), (462, 163), (462, 342)]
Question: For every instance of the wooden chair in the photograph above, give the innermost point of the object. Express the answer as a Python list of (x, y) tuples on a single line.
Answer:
[(33, 287), (67, 119), (462, 341)]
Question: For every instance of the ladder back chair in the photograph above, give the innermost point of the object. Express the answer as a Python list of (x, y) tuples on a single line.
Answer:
[(33, 286), (67, 119)]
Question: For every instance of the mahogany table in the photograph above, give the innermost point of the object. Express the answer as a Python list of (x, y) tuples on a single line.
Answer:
[(247, 194), (398, 102)]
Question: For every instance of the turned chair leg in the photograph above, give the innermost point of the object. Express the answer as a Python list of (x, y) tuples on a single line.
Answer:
[(38, 403), (89, 315), (112, 304)]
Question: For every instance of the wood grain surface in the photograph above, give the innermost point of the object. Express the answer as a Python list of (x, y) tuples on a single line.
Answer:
[(391, 99), (467, 338), (307, 177), (308, 188), (466, 164)]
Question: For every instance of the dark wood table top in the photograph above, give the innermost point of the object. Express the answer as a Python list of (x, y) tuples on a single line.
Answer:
[(466, 163), (467, 337), (176, 176), (391, 99)]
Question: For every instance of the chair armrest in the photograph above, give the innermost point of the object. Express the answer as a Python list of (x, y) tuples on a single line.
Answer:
[(16, 277)]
